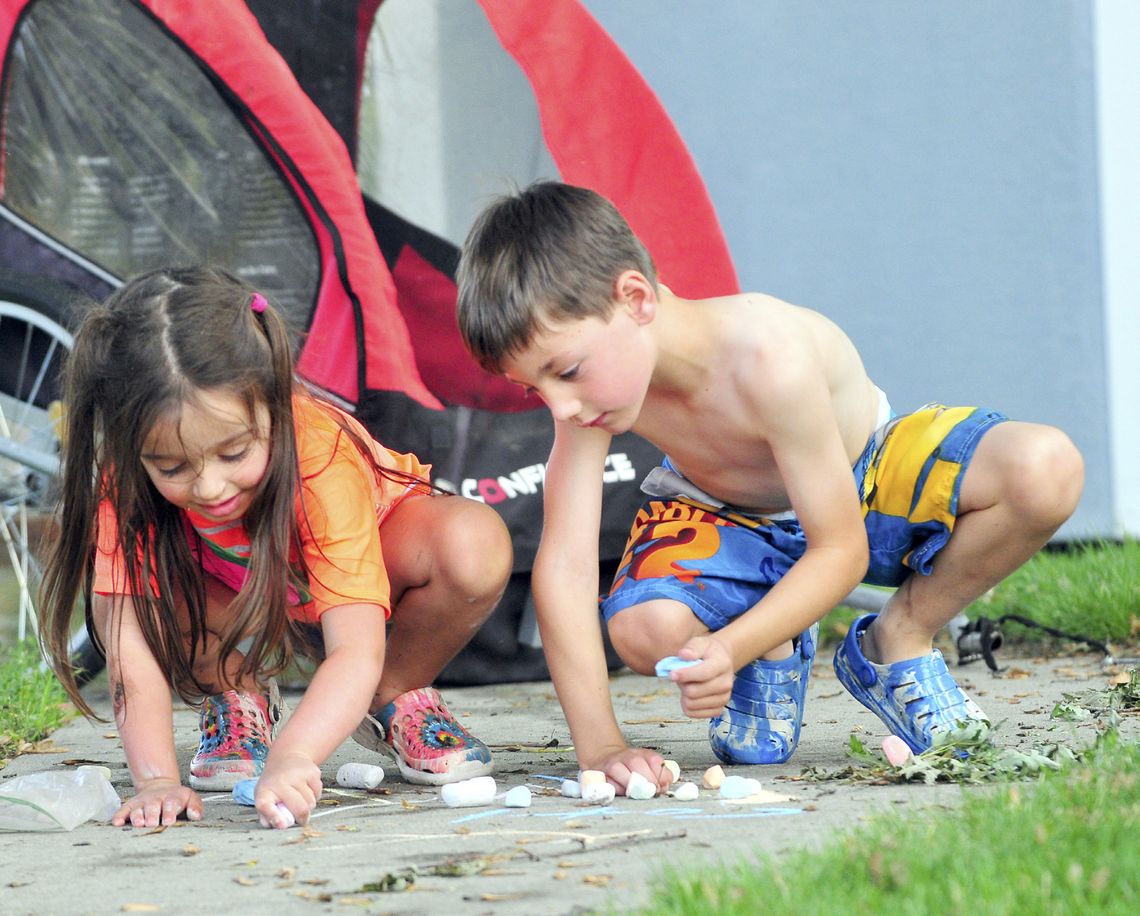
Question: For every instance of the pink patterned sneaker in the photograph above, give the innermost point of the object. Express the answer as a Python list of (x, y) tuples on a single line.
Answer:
[(237, 730), (430, 747)]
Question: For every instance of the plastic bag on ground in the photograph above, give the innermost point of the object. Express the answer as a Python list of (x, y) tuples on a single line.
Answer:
[(56, 800)]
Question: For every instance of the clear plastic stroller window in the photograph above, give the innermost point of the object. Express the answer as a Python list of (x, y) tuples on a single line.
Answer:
[(121, 148)]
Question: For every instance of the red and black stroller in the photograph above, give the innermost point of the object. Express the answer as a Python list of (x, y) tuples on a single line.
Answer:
[(334, 155)]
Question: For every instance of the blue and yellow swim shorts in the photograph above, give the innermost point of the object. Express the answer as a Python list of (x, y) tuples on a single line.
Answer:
[(720, 562)]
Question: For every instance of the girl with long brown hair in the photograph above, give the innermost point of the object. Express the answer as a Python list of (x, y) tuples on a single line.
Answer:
[(222, 520)]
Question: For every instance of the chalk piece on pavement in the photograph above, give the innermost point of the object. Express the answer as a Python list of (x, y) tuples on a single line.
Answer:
[(359, 776), (243, 791), (896, 750), (518, 797), (591, 778), (672, 767), (598, 793), (739, 787), (469, 793), (713, 777), (686, 791), (571, 789)]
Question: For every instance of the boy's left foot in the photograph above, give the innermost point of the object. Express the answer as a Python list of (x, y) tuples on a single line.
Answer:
[(430, 747), (918, 698), (761, 721)]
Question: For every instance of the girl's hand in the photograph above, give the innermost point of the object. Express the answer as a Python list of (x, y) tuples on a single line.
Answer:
[(158, 802), (706, 687), (619, 764), (294, 780)]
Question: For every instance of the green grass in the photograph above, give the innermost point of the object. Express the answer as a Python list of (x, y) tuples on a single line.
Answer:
[(1093, 590), (32, 702), (1068, 843)]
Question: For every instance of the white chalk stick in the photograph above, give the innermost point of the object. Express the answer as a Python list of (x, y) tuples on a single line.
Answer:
[(897, 751), (639, 787), (571, 789), (518, 797), (686, 791), (359, 776), (469, 793), (596, 794), (713, 777)]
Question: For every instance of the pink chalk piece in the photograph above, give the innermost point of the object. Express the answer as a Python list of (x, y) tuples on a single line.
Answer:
[(896, 750), (285, 814)]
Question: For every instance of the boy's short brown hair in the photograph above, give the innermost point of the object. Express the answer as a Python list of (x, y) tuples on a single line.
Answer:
[(548, 253)]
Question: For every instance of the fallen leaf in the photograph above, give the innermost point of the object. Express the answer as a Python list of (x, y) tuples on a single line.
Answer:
[(47, 746), (391, 883), (458, 868), (190, 850), (309, 895), (597, 880), (353, 901), (244, 881)]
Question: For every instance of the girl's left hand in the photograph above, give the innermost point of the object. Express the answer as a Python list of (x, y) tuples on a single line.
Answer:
[(294, 780)]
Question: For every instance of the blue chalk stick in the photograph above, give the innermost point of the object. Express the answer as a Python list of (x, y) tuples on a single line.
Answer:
[(243, 791), (673, 663)]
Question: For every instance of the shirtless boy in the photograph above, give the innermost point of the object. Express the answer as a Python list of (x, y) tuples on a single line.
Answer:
[(788, 481)]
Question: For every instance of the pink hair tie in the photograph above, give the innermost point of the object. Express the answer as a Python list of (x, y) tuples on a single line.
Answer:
[(258, 303)]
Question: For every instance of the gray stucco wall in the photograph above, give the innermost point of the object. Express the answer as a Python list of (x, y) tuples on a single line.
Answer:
[(925, 174)]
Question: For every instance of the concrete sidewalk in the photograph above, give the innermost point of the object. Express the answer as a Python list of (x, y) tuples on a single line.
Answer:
[(558, 856)]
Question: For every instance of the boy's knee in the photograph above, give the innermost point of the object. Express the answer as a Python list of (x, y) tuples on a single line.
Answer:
[(643, 634), (1047, 478)]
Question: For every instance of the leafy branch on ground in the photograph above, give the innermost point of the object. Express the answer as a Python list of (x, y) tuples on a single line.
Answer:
[(969, 756)]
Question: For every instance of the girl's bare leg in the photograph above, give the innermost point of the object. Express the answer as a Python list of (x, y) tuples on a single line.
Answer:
[(206, 670), (448, 560)]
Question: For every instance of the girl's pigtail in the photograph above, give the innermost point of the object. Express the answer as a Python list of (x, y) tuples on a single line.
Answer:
[(72, 544)]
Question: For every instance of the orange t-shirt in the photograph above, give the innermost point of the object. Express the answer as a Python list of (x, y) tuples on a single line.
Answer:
[(342, 503)]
